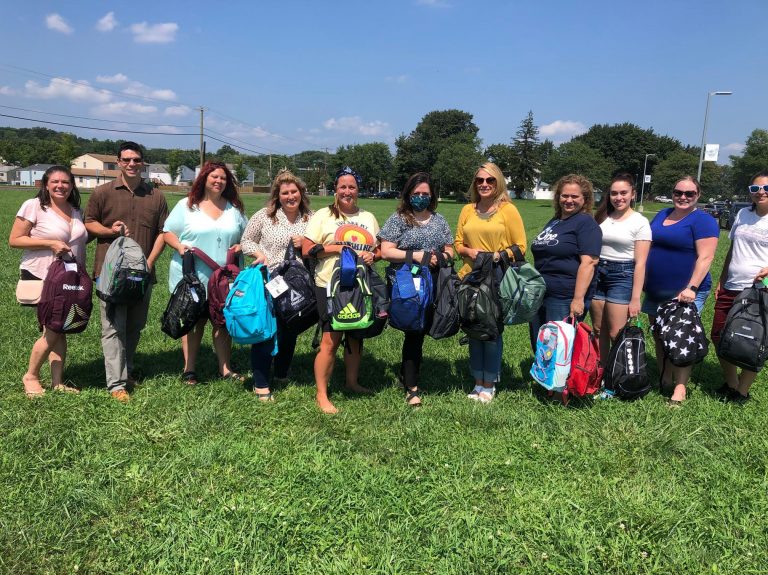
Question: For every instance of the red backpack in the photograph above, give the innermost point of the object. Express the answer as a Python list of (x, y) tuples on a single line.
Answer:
[(219, 283), (65, 302), (586, 372)]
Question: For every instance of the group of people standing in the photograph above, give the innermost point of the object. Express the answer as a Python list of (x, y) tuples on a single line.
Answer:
[(597, 263)]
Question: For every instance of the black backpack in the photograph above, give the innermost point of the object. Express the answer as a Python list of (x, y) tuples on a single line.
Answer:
[(381, 302), (478, 301), (626, 371), (445, 315), (743, 340), (187, 303), (296, 307), (678, 327), (65, 301)]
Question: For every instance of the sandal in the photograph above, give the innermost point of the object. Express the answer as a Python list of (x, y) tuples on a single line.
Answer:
[(482, 394), (674, 403), (413, 397), (189, 377), (265, 397), (64, 388), (233, 376)]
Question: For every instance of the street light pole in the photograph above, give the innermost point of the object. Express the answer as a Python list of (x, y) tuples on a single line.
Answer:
[(642, 187), (704, 133)]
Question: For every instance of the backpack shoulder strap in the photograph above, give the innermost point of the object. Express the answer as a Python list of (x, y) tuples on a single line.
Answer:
[(205, 258)]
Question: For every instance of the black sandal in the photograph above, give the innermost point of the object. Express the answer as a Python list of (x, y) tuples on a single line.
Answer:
[(189, 377), (411, 394)]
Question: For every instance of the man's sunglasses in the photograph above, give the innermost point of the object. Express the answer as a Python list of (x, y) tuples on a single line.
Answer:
[(131, 160)]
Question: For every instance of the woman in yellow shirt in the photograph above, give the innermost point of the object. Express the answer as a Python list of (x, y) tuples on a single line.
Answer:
[(489, 223)]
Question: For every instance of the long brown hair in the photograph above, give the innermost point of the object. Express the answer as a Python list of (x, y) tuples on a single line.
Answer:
[(197, 192), (405, 209), (273, 204), (44, 196), (605, 207)]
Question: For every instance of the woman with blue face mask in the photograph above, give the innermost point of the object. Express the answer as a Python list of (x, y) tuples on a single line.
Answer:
[(415, 227)]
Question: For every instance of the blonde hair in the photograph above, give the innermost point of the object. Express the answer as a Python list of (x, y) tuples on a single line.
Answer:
[(273, 203), (501, 184)]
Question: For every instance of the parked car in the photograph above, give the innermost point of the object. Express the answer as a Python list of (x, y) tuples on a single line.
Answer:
[(386, 194), (728, 216), (663, 200), (711, 210)]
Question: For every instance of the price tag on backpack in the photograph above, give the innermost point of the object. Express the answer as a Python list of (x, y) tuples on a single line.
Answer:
[(70, 266), (277, 286), (417, 283)]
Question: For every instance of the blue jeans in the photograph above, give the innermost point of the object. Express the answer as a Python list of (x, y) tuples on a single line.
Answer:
[(650, 304), (552, 309), (615, 281), (485, 359)]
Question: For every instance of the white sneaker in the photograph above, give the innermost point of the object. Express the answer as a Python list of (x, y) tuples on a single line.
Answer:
[(482, 394)]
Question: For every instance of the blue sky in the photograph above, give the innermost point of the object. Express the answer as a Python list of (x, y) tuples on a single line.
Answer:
[(289, 76)]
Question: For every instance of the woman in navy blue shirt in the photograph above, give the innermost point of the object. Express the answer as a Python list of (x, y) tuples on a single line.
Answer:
[(684, 244), (566, 253)]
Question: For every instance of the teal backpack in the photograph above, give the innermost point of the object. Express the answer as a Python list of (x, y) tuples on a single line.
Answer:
[(349, 295), (248, 310), (521, 290)]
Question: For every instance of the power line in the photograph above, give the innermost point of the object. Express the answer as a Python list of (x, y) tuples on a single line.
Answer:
[(100, 129), (235, 146), (241, 141), (93, 119)]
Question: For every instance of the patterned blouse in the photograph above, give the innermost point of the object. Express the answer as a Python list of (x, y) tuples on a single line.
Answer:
[(430, 236), (271, 238)]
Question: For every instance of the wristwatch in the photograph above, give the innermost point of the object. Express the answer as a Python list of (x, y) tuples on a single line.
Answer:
[(694, 289)]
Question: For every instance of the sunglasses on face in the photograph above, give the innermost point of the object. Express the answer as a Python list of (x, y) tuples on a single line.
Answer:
[(131, 160), (490, 181), (686, 193), (755, 189)]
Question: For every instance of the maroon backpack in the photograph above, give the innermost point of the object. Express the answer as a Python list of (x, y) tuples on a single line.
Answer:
[(219, 283), (65, 303)]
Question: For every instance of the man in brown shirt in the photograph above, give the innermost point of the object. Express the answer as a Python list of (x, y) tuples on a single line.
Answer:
[(127, 201)]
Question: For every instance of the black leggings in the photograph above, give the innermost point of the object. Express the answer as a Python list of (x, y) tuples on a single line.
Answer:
[(411, 362)]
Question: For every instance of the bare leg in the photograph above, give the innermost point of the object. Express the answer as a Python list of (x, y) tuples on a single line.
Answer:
[(681, 376), (44, 349), (666, 370), (600, 327), (353, 351), (730, 372), (222, 344), (324, 361), (746, 379), (190, 345)]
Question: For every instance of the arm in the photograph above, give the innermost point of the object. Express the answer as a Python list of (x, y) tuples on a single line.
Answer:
[(583, 278), (251, 238), (172, 240), (157, 249), (20, 238), (642, 247), (705, 253), (391, 253), (515, 231), (97, 230)]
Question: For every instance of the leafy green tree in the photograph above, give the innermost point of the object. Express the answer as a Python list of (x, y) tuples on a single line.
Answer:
[(455, 167), (418, 152), (174, 164), (67, 150), (753, 160), (372, 161), (526, 148), (502, 155), (241, 172), (576, 157), (684, 163)]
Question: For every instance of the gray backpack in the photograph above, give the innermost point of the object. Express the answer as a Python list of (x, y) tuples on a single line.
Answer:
[(125, 275)]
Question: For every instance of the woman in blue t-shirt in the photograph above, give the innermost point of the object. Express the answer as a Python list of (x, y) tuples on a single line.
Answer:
[(684, 244), (566, 253), (415, 226)]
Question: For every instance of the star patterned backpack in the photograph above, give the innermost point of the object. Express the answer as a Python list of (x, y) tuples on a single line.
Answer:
[(678, 327)]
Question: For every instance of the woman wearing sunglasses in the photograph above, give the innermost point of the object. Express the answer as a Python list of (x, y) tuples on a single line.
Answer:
[(491, 224), (745, 264), (684, 244)]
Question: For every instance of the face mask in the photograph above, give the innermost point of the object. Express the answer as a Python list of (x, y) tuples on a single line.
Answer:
[(420, 203)]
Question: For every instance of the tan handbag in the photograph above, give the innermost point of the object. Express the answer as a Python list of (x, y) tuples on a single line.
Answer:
[(28, 291)]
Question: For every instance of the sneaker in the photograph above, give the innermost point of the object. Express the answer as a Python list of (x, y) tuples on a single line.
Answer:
[(482, 394), (121, 395)]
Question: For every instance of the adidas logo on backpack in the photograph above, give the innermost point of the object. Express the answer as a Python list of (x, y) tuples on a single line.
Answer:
[(349, 312), (349, 294)]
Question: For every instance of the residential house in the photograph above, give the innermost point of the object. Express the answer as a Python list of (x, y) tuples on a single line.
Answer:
[(158, 174), (7, 174), (185, 176), (541, 191), (32, 175), (91, 170)]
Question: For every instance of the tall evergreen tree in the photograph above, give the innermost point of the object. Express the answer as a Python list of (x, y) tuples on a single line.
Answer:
[(526, 147)]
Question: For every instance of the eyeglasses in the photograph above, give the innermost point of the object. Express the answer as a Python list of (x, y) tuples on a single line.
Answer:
[(755, 189), (480, 181), (131, 160), (680, 193)]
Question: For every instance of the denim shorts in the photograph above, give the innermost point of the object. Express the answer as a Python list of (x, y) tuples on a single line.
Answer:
[(614, 281), (650, 305)]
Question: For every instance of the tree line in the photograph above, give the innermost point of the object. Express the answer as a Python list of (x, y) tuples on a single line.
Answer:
[(445, 144)]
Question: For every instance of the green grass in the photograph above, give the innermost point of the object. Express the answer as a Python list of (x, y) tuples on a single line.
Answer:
[(209, 480)]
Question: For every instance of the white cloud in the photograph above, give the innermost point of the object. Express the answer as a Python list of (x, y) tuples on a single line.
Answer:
[(735, 149), (177, 110), (168, 129), (114, 79), (7, 91), (401, 79), (123, 109), (56, 22), (107, 23), (144, 33), (562, 129), (139, 89), (355, 125), (67, 89)]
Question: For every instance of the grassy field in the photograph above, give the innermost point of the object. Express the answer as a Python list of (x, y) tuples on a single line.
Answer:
[(209, 480)]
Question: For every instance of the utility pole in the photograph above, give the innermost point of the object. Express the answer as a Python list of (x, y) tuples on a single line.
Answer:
[(202, 144), (269, 173)]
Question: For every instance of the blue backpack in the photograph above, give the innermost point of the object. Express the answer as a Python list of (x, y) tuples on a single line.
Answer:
[(554, 351), (412, 294), (248, 310)]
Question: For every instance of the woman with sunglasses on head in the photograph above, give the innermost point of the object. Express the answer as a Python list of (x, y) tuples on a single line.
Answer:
[(48, 226), (341, 224), (418, 228), (621, 269), (566, 253), (490, 223), (211, 219), (269, 233), (684, 244), (745, 264)]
